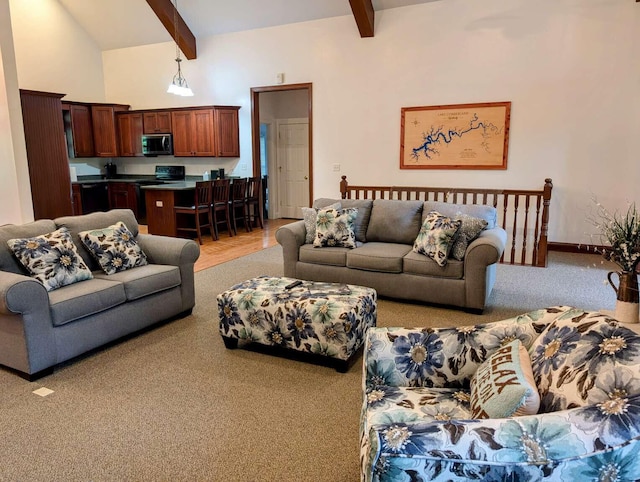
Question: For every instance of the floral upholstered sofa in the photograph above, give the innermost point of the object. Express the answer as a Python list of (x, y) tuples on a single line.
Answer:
[(417, 421)]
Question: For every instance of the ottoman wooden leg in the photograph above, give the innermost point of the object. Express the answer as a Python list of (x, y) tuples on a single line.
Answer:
[(230, 343)]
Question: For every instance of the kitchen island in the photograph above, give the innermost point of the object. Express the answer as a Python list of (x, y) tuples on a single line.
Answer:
[(160, 200)]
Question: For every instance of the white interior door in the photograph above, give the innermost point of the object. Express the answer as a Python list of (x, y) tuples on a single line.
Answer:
[(293, 167)]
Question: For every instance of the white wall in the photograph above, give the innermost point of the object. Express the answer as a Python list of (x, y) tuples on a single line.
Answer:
[(569, 67), (53, 53)]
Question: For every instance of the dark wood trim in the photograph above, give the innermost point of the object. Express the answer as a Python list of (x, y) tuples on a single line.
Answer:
[(164, 10), (365, 16), (576, 248), (255, 125)]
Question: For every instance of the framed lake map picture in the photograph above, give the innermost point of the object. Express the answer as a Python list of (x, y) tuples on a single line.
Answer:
[(461, 136)]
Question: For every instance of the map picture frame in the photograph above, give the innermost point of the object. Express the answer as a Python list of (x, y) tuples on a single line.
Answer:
[(456, 136)]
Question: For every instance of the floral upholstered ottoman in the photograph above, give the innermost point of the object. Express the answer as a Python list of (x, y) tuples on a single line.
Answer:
[(325, 319)]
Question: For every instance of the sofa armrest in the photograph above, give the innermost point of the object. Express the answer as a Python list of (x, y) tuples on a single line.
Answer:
[(291, 237), (167, 250), (486, 249), (27, 342), (558, 445), (179, 252)]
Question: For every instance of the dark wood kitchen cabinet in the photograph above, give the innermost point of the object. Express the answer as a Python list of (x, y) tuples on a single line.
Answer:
[(123, 195), (226, 127), (105, 135), (46, 154), (78, 128), (193, 134), (129, 134), (157, 122), (76, 199)]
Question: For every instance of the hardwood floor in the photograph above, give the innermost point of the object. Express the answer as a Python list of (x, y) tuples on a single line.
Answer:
[(227, 248)]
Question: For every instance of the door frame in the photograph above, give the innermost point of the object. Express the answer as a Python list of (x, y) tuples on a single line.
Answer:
[(255, 125)]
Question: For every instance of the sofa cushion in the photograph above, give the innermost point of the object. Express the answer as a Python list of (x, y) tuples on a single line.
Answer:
[(482, 211), (394, 221), (334, 227), (76, 301), (414, 263), (503, 386), (8, 261), (384, 257), (114, 248), (469, 230), (310, 216), (328, 256), (51, 258), (362, 219), (584, 358), (435, 237), (96, 220), (145, 280)]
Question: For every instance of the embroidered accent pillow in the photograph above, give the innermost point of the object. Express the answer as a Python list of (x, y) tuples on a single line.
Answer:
[(51, 258), (503, 385), (469, 230), (435, 237), (310, 215), (334, 228), (114, 248)]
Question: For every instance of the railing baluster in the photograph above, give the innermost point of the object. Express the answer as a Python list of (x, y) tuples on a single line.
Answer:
[(523, 258)]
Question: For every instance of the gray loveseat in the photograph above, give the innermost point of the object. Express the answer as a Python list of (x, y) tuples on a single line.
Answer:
[(40, 329), (383, 258)]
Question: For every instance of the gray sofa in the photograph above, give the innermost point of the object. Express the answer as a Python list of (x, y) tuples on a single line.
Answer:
[(383, 258), (40, 329)]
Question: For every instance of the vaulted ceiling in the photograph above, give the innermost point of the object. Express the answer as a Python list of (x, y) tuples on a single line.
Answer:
[(117, 24)]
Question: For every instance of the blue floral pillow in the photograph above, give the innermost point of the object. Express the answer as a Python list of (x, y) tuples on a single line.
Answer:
[(334, 227), (310, 216), (114, 248), (435, 237), (51, 258)]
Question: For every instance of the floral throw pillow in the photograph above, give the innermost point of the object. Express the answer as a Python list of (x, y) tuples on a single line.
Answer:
[(51, 258), (469, 230), (503, 385), (334, 228), (114, 248), (310, 216), (435, 237)]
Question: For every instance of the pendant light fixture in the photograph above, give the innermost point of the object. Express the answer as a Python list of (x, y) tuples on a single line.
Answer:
[(179, 84)]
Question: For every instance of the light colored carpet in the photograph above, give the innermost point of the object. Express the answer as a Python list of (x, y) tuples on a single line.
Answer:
[(174, 404)]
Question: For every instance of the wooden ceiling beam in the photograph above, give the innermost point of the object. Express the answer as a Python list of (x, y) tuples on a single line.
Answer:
[(164, 10), (364, 15)]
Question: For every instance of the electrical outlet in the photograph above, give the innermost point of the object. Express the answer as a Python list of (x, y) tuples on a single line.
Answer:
[(159, 204), (336, 168)]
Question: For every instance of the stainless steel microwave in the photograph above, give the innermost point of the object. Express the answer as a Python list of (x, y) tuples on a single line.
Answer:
[(157, 145)]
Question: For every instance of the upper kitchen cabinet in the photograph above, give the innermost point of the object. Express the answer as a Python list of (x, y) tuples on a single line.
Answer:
[(78, 129), (46, 154), (157, 122), (226, 127), (193, 133), (210, 132), (105, 135), (129, 134)]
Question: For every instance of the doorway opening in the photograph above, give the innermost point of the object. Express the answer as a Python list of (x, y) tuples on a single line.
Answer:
[(281, 128)]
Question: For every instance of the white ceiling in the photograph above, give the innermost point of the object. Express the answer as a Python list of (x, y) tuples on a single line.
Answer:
[(127, 23)]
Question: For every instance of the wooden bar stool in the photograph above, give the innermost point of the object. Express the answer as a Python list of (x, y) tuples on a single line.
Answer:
[(238, 202), (201, 205), (220, 205), (254, 201)]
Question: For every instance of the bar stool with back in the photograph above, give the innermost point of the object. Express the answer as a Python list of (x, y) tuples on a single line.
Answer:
[(201, 205), (238, 202), (220, 204), (254, 200)]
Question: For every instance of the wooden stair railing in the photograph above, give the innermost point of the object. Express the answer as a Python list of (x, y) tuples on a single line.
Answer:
[(523, 213)]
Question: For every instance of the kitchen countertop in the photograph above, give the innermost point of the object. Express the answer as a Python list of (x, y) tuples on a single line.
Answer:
[(131, 178), (171, 186)]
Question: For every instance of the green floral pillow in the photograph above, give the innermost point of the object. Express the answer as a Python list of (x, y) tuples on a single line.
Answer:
[(334, 227), (435, 237), (51, 258), (310, 216), (114, 248)]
